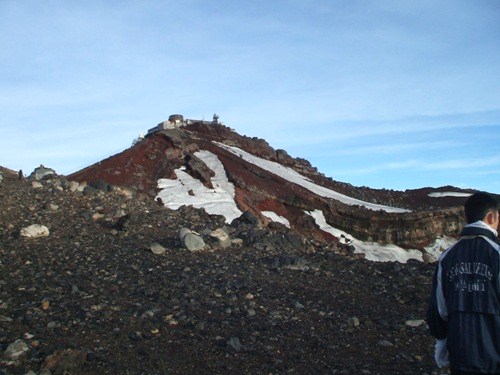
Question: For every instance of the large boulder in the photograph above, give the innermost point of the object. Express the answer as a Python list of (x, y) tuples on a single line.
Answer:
[(41, 172), (35, 231), (199, 170), (191, 240)]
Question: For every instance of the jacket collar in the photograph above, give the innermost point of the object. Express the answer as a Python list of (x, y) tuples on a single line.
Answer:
[(480, 228)]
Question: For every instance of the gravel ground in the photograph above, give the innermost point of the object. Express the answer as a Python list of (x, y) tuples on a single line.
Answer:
[(92, 298)]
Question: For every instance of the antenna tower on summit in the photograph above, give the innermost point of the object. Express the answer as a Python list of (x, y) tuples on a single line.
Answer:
[(216, 119)]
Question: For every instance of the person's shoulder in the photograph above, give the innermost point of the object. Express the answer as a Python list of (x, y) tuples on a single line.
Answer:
[(450, 250)]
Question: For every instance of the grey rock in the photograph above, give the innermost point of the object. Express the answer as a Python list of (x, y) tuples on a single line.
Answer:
[(119, 213), (5, 319), (222, 235), (36, 185), (415, 323), (236, 242), (353, 321), (73, 186), (199, 170), (298, 305), (246, 217), (41, 172), (35, 231), (385, 343), (148, 314), (89, 190), (183, 232), (191, 240), (234, 344), (52, 207), (100, 185), (16, 349), (82, 186), (157, 249)]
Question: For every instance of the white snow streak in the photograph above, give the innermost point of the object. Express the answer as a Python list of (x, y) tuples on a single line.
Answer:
[(186, 190), (441, 244), (296, 178), (448, 194), (277, 218), (373, 251)]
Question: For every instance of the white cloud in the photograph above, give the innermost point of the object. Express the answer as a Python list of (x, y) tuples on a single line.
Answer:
[(464, 164), (392, 148)]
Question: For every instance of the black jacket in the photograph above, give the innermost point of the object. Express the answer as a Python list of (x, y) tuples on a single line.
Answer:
[(465, 301)]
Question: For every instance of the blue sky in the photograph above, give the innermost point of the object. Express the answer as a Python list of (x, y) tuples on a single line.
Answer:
[(385, 94)]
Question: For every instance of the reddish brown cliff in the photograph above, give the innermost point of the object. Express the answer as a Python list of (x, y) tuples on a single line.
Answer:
[(158, 155)]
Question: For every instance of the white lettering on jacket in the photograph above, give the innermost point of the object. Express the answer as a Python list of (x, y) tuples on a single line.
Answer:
[(479, 272)]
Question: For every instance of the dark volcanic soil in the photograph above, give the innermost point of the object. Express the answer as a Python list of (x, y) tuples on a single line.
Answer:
[(91, 298)]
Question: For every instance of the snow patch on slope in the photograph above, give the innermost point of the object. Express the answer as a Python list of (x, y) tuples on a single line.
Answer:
[(448, 194), (187, 190), (373, 251), (292, 176), (277, 218), (383, 253), (436, 249)]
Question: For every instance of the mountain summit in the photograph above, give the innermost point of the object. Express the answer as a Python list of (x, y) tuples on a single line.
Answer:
[(208, 165), (201, 251)]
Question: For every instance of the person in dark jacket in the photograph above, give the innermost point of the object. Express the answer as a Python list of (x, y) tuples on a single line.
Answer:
[(464, 309)]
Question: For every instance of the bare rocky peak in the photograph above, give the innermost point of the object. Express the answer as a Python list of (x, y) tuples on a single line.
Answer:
[(257, 190), (98, 277)]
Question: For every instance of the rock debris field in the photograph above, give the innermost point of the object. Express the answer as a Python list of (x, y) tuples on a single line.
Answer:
[(105, 285)]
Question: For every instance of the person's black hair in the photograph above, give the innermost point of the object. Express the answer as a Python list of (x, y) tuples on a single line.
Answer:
[(478, 205)]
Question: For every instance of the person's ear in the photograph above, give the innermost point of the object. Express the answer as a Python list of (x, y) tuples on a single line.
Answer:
[(491, 218)]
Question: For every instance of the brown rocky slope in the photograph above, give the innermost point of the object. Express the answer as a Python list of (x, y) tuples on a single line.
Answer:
[(107, 286), (258, 190), (92, 298)]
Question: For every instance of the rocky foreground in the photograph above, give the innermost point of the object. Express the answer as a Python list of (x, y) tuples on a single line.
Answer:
[(106, 286)]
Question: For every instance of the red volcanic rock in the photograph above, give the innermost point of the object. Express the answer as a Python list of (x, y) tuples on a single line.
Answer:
[(138, 167), (8, 173), (258, 190)]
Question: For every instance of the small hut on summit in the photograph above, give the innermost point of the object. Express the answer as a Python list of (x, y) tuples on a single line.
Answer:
[(176, 119)]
